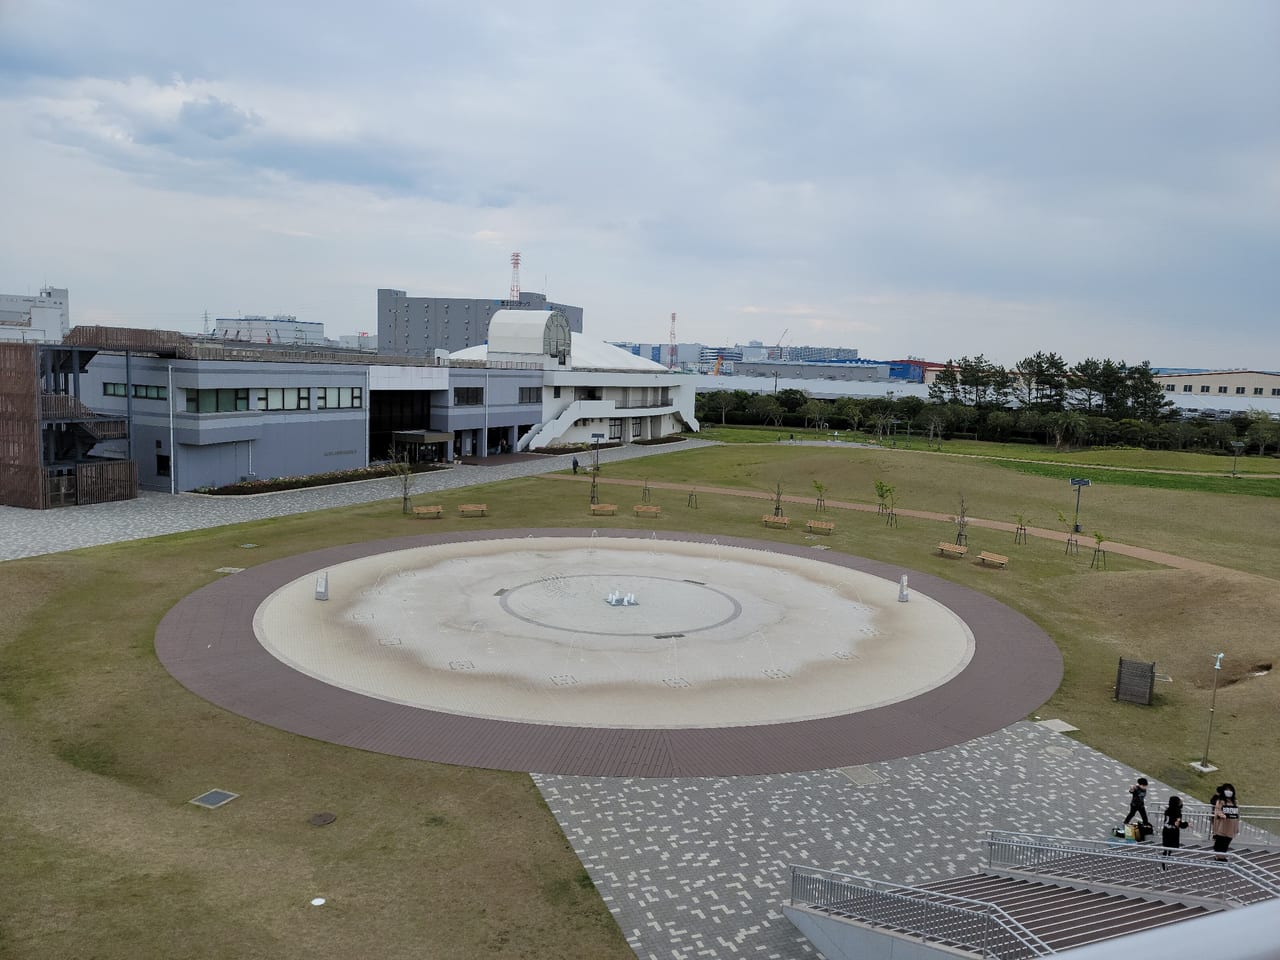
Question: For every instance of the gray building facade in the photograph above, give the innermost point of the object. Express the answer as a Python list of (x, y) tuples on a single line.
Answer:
[(418, 326)]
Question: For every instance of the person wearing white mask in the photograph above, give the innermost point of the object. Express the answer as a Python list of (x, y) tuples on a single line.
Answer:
[(1226, 820)]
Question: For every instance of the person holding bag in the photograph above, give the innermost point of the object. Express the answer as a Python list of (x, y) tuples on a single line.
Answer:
[(1226, 820)]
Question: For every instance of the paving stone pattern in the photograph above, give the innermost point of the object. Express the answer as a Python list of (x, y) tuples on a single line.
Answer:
[(698, 868), (31, 533)]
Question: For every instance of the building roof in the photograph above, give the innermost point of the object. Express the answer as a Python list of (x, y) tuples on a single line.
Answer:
[(585, 354)]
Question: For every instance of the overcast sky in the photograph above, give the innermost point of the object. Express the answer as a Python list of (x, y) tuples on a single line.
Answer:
[(906, 178)]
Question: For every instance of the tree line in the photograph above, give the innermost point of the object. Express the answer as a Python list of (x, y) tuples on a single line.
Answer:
[(1042, 400)]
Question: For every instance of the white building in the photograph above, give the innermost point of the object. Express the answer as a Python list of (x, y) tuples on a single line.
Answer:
[(278, 329), (1211, 386), (588, 387), (43, 317)]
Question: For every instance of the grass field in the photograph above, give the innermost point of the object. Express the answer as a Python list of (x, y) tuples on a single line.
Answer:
[(103, 857)]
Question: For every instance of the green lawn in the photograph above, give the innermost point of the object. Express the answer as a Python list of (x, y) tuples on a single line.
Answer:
[(103, 857)]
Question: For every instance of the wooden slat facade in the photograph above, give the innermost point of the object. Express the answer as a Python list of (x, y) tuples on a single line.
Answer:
[(22, 479)]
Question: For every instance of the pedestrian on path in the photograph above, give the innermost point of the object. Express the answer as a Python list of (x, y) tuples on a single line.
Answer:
[(1138, 802), (575, 464), (1226, 820), (1171, 832)]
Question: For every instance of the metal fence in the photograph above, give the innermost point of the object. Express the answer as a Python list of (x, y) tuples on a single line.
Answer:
[(1177, 872), (1259, 826), (933, 916)]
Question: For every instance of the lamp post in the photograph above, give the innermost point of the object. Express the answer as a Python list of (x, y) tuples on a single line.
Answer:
[(1079, 483), (775, 382), (595, 467), (1213, 702), (1236, 447)]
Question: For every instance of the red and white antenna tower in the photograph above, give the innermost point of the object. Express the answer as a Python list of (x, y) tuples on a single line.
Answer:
[(515, 277), (671, 348)]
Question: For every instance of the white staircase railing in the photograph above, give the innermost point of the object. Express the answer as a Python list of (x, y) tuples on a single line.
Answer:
[(1142, 867), (934, 916)]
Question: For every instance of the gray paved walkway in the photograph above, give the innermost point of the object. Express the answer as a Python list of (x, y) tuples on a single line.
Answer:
[(698, 868), (31, 533)]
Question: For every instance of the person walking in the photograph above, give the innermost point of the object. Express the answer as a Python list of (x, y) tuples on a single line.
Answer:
[(1138, 803), (1226, 820), (575, 464), (1171, 832)]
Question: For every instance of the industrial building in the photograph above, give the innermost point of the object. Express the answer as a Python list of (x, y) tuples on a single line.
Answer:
[(420, 326), (1255, 385), (46, 316)]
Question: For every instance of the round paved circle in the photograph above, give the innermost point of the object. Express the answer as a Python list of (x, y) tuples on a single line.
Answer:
[(725, 636), (207, 642)]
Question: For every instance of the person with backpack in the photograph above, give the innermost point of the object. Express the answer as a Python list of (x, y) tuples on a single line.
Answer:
[(1171, 832)]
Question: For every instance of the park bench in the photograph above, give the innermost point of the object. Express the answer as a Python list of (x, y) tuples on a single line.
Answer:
[(820, 526), (648, 510), (993, 558), (952, 549), (603, 509), (473, 509), (769, 520), (433, 513)]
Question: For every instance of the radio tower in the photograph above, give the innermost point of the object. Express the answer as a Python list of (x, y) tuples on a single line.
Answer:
[(515, 277), (671, 349)]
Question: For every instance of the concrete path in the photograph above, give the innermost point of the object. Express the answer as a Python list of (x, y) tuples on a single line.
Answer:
[(31, 533)]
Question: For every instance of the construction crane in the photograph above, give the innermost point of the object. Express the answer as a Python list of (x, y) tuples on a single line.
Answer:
[(715, 371), (777, 350)]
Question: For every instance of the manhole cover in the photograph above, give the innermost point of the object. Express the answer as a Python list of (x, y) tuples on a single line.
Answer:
[(229, 570), (214, 798), (248, 546), (322, 819)]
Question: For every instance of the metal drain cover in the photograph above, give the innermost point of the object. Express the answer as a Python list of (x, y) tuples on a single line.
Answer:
[(862, 776), (213, 799), (322, 819)]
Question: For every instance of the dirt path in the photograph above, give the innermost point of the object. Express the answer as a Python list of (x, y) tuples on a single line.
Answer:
[(1123, 549)]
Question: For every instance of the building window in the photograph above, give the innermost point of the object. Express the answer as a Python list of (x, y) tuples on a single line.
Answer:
[(1222, 389), (1257, 391), (615, 428), (1168, 388), (217, 401), (468, 396), (635, 427), (530, 394), (1186, 388), (162, 465), (1239, 390), (149, 391), (1204, 389), (555, 393), (1275, 391), (113, 390)]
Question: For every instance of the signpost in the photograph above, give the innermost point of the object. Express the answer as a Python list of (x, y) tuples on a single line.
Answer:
[(595, 466), (1079, 483), (1236, 447)]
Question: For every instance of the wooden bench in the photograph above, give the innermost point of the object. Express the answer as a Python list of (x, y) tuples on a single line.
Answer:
[(820, 526), (769, 520), (993, 558), (952, 549), (433, 513), (648, 510), (603, 509), (473, 509)]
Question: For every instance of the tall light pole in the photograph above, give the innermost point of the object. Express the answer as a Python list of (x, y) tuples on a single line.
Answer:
[(775, 382), (1213, 702), (1079, 483)]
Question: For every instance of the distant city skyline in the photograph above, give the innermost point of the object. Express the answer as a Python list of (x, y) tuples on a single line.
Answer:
[(933, 180)]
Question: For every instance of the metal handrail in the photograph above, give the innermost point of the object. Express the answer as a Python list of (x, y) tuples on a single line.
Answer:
[(1259, 825), (932, 915), (1173, 870)]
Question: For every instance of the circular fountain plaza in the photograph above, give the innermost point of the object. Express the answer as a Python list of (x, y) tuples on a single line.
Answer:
[(559, 652)]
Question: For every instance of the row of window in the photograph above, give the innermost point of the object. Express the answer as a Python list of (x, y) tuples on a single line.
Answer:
[(1240, 391), (141, 391), (275, 398)]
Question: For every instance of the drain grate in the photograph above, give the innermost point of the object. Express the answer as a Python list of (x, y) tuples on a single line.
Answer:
[(390, 641), (667, 636), (212, 799), (564, 680), (773, 673), (676, 682), (862, 776), (461, 665), (248, 546), (229, 570), (697, 583)]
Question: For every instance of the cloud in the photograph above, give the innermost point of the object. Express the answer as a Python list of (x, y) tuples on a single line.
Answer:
[(216, 118)]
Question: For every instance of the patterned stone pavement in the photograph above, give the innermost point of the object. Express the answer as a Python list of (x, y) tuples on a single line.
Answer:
[(698, 868), (31, 533)]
